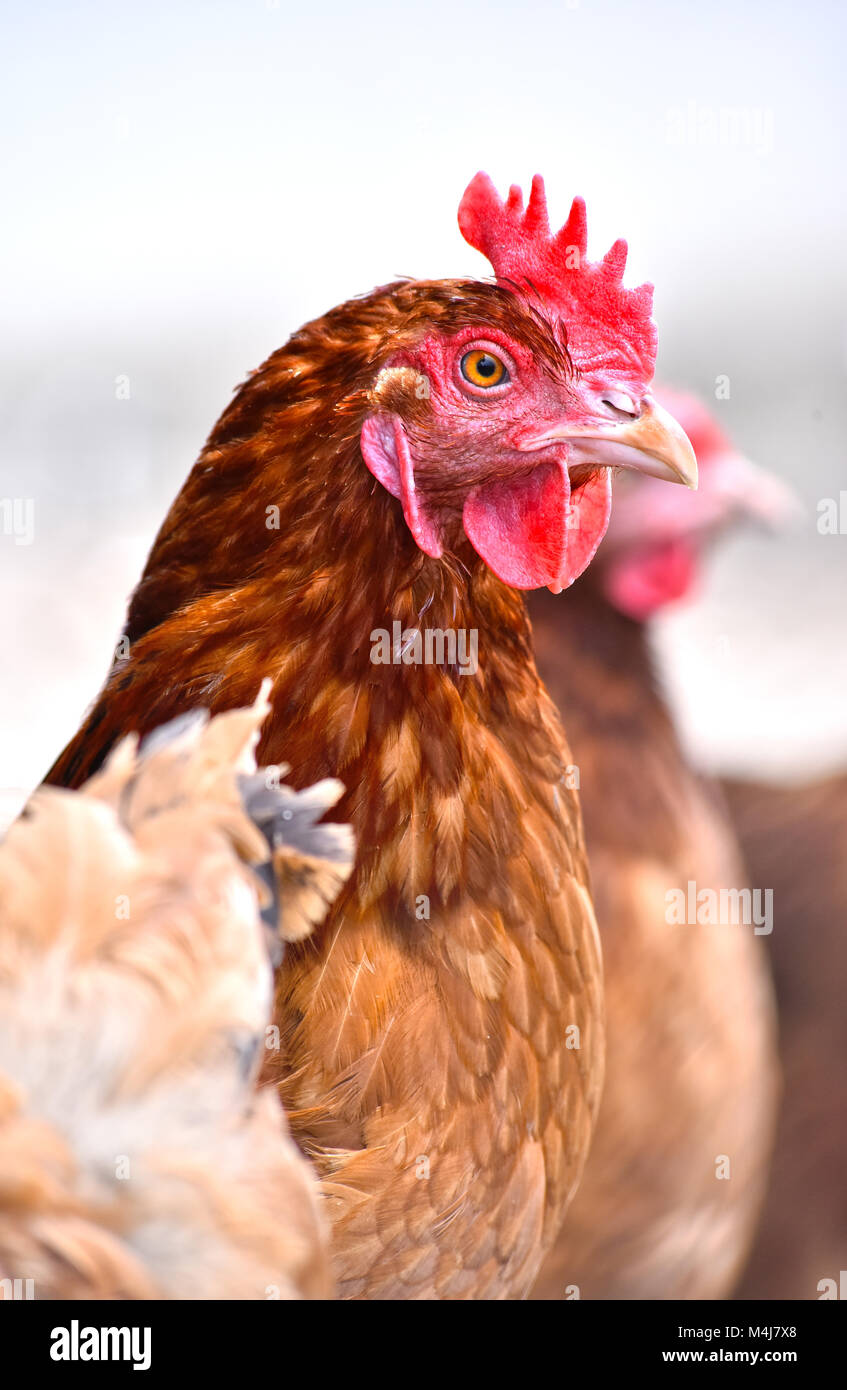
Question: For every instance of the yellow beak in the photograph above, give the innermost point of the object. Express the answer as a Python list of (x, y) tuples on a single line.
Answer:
[(651, 442)]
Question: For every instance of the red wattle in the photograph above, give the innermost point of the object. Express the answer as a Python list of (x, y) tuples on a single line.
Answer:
[(644, 579), (533, 530)]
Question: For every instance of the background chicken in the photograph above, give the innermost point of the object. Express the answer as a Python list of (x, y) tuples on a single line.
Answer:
[(795, 840), (691, 1067), (137, 1159), (413, 458)]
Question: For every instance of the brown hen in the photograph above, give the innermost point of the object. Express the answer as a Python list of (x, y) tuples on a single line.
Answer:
[(395, 472)]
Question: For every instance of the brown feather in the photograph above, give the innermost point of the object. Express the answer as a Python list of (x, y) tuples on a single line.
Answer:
[(404, 1039), (136, 1159)]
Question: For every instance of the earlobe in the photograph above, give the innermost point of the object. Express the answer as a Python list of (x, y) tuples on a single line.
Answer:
[(379, 450), (385, 449)]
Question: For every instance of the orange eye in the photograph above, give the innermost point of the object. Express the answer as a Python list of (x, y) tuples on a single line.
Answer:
[(482, 368)]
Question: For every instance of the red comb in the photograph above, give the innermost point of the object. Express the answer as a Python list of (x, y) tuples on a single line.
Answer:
[(602, 318)]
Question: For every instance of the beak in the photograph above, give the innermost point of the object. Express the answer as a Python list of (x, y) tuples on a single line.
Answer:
[(651, 442)]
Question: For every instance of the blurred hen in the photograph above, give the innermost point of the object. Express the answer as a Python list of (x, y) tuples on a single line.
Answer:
[(795, 840), (137, 1159)]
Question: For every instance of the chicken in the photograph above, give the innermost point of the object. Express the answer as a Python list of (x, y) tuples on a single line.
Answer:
[(358, 525), (137, 1159), (794, 839), (691, 1073)]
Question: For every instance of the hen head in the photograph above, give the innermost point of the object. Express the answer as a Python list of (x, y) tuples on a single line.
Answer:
[(503, 418)]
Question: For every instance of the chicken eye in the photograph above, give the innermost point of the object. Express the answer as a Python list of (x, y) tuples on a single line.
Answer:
[(482, 368)]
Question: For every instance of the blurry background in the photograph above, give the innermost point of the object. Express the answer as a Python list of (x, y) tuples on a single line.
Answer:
[(185, 184)]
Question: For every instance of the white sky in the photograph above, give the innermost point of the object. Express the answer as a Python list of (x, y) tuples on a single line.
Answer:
[(185, 183), (163, 156)]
